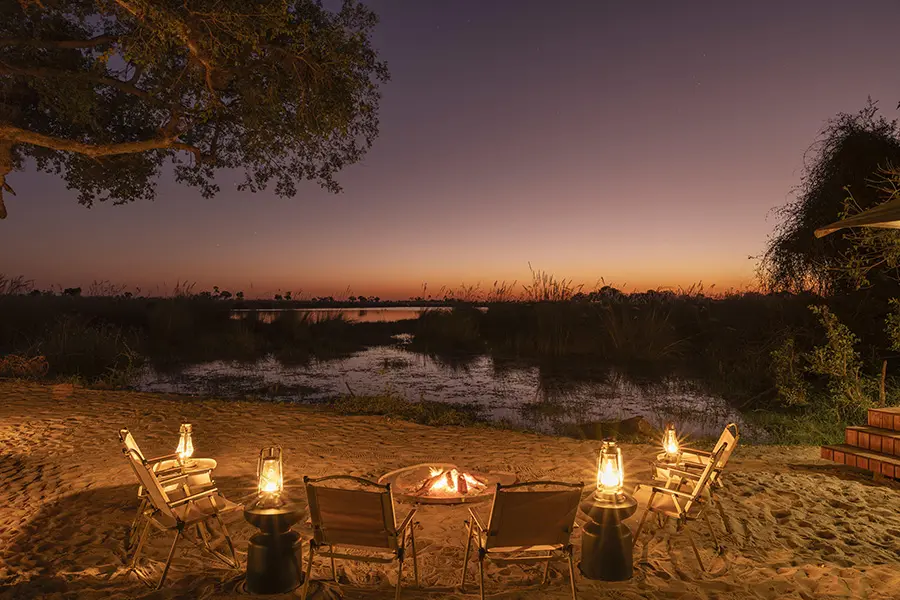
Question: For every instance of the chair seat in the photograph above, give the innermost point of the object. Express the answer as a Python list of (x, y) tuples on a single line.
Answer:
[(196, 511), (510, 549)]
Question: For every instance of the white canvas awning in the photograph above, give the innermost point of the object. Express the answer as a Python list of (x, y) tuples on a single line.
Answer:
[(885, 215)]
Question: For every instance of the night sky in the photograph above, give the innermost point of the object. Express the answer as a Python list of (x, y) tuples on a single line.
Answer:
[(642, 142)]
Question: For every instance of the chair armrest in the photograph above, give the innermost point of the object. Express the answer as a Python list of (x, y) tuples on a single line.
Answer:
[(476, 520), (168, 472), (184, 476), (193, 497), (693, 465), (158, 459), (671, 492), (684, 474), (407, 521), (697, 452)]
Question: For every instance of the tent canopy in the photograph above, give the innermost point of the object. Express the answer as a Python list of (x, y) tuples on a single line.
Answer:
[(885, 215)]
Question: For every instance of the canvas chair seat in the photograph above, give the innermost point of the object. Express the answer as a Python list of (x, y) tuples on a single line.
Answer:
[(510, 549), (195, 512)]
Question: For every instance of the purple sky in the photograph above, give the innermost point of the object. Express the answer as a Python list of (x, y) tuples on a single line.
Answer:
[(642, 142)]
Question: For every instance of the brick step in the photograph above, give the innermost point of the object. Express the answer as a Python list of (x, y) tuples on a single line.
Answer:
[(885, 418), (889, 466), (875, 439)]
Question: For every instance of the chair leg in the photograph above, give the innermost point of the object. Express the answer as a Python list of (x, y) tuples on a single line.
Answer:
[(694, 546), (481, 571), (721, 510), (162, 578), (312, 550), (462, 579), (546, 570), (572, 573), (135, 524), (228, 540), (333, 570), (399, 576), (140, 546), (640, 526), (412, 540), (712, 531)]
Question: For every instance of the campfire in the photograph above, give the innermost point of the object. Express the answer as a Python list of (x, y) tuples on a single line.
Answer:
[(450, 482), (443, 484)]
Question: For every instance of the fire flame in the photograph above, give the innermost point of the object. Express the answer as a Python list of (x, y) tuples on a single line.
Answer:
[(608, 476), (450, 482)]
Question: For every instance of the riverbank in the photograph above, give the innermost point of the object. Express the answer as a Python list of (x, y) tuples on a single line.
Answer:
[(803, 527)]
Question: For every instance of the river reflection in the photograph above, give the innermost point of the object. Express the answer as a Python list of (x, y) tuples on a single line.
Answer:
[(381, 314), (522, 396)]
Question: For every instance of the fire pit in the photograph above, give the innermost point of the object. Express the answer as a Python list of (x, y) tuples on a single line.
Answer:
[(431, 483)]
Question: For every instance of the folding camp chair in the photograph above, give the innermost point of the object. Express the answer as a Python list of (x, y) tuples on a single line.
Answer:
[(696, 461), (671, 502), (534, 525), (165, 467), (359, 518), (193, 511)]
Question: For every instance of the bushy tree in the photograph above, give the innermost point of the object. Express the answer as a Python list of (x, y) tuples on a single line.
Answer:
[(851, 152), (106, 92)]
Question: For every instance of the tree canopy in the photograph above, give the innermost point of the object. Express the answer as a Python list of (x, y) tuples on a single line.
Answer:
[(106, 92), (844, 174)]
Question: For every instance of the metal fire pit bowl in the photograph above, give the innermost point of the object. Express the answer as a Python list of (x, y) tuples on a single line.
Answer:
[(405, 481)]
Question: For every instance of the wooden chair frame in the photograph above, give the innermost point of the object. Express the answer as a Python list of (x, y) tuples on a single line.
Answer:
[(485, 536), (394, 536), (161, 514), (687, 506)]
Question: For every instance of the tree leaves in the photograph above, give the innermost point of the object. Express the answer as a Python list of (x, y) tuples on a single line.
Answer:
[(114, 89)]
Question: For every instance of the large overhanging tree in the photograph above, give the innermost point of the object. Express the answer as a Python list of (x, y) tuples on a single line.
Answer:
[(850, 156), (106, 92)]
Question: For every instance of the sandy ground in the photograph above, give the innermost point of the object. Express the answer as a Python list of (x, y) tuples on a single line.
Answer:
[(802, 527)]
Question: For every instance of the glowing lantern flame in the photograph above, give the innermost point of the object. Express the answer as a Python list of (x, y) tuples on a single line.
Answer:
[(670, 443), (610, 472), (270, 472), (185, 449)]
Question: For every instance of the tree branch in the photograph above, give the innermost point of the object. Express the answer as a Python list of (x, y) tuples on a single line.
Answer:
[(6, 166), (43, 72), (93, 42), (16, 135), (185, 35)]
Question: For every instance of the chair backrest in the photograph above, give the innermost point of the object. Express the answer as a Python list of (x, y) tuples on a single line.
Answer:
[(148, 480), (706, 476), (729, 439), (128, 442), (352, 517), (544, 517)]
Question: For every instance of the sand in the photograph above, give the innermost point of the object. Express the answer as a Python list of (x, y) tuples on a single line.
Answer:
[(802, 527)]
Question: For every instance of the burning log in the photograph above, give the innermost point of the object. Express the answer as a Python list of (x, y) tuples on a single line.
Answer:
[(450, 482)]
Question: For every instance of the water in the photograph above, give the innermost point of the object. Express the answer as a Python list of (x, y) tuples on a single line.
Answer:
[(517, 394), (357, 315)]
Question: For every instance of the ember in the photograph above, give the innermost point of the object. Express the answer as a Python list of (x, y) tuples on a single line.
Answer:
[(443, 483), (449, 482)]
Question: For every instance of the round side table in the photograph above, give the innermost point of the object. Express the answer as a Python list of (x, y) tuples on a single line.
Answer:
[(275, 554), (606, 542)]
